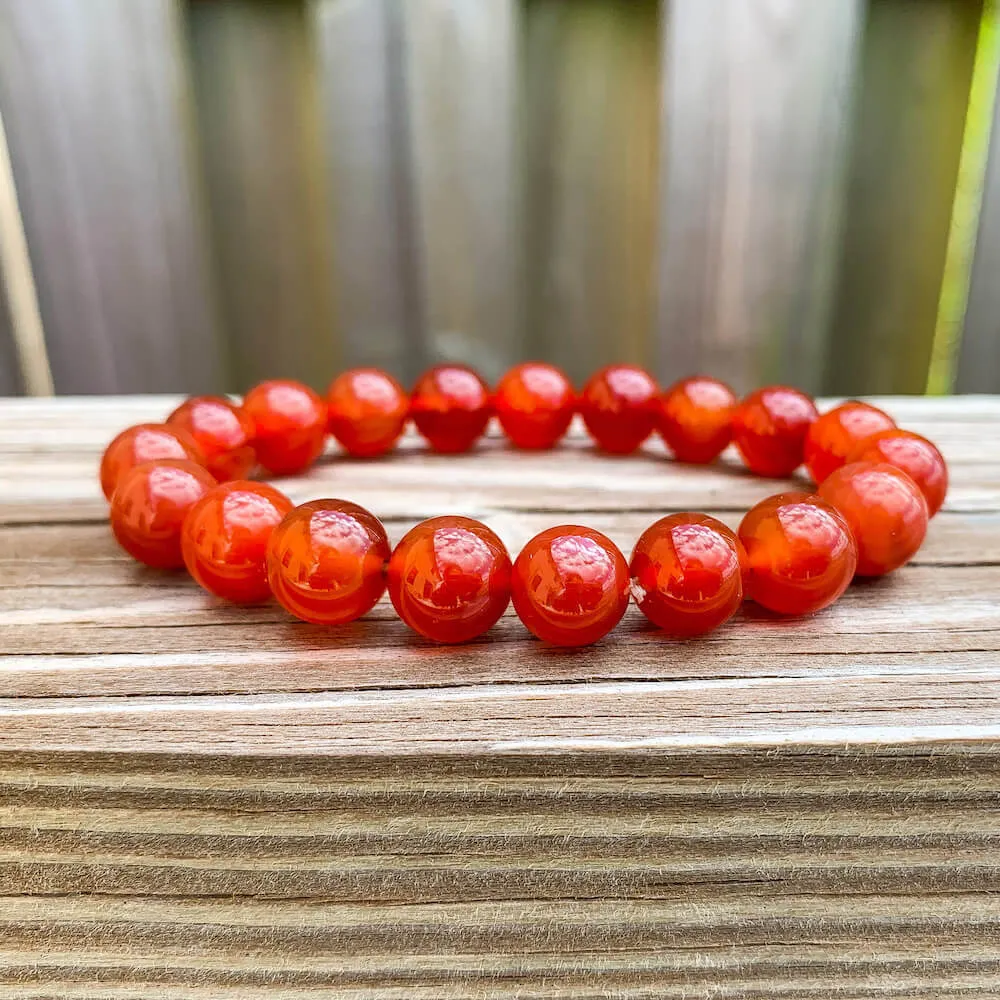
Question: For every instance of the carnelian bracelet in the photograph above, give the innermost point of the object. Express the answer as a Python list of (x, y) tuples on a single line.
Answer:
[(180, 496)]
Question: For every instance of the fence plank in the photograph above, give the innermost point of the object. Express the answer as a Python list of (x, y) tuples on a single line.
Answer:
[(93, 97)]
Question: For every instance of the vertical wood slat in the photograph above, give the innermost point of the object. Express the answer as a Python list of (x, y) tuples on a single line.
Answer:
[(755, 98), (93, 97)]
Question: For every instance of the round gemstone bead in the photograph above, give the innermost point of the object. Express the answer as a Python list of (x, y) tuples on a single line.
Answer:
[(834, 435), (535, 403), (326, 561), (770, 427), (570, 585), (289, 425), (800, 554), (149, 507), (224, 434), (914, 455), (450, 406), (449, 579), (686, 573), (145, 443), (618, 406), (367, 411), (886, 512), (225, 536), (695, 418)]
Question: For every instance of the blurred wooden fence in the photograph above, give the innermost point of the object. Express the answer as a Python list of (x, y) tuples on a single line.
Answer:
[(221, 190)]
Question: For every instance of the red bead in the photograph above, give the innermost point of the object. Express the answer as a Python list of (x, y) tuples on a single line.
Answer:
[(770, 427), (326, 561), (149, 507), (914, 455), (535, 403), (886, 512), (838, 432), (695, 418), (367, 411), (224, 434), (618, 406), (800, 553), (289, 425), (686, 574), (570, 585), (145, 443), (225, 535), (449, 579), (450, 406)]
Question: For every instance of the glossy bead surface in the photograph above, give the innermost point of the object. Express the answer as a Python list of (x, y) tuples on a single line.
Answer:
[(686, 573), (326, 561), (149, 507), (570, 585), (800, 554), (225, 536), (289, 425), (367, 411), (914, 455), (145, 443), (449, 579), (770, 427), (834, 435), (535, 403), (618, 405), (695, 418), (223, 432), (886, 512), (450, 406)]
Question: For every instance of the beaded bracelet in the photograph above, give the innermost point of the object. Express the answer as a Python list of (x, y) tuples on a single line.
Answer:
[(180, 496)]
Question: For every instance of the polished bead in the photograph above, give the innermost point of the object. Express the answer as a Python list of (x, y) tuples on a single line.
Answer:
[(225, 536), (834, 435), (149, 507), (695, 418), (686, 573), (367, 411), (770, 427), (914, 455), (570, 585), (326, 561), (618, 406), (800, 555), (535, 403), (450, 406), (449, 579), (886, 512), (224, 434), (289, 425), (145, 443)]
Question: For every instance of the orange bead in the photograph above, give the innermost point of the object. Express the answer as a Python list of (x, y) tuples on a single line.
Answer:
[(838, 432), (914, 455), (449, 579), (570, 585), (800, 553), (618, 406), (145, 443), (686, 574), (225, 535), (695, 418), (326, 561), (450, 406), (367, 411), (289, 425), (535, 403), (886, 512), (149, 507), (224, 434), (770, 427)]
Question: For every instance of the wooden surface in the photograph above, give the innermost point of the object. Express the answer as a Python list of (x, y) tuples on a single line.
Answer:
[(205, 801)]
